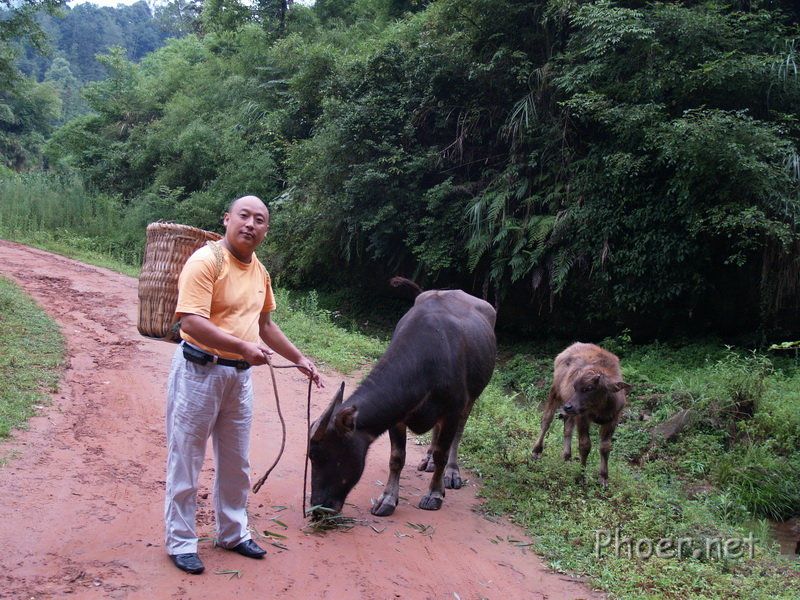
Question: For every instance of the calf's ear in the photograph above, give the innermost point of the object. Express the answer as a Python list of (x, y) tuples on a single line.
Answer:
[(620, 385), (345, 420)]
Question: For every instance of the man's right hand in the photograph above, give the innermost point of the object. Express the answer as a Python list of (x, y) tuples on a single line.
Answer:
[(256, 354)]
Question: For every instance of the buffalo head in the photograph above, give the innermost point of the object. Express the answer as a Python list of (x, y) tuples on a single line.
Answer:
[(592, 390), (337, 454)]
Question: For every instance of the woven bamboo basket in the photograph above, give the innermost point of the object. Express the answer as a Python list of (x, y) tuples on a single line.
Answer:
[(169, 245)]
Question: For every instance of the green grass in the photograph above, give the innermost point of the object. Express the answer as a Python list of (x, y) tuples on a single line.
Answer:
[(314, 330), (59, 215), (31, 354), (647, 502), (71, 245)]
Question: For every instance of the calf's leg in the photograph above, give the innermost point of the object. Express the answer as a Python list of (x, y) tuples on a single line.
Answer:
[(606, 435), (547, 418), (569, 425), (388, 501), (584, 442)]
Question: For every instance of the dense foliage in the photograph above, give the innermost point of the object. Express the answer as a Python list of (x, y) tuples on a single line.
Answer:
[(78, 34), (18, 23), (27, 110), (48, 51), (594, 164)]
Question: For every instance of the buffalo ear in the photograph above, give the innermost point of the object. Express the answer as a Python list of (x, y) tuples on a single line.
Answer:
[(345, 420), (320, 426), (620, 385)]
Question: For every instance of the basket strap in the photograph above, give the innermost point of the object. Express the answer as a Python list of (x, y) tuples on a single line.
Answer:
[(219, 258)]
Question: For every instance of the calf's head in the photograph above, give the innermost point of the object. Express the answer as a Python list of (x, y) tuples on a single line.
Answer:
[(337, 454), (591, 390)]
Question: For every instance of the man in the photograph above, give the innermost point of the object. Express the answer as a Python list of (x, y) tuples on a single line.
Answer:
[(224, 303)]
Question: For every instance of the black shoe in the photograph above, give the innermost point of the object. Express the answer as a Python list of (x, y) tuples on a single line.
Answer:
[(190, 563), (249, 549)]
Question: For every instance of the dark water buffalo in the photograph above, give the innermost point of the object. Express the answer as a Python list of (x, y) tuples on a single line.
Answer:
[(588, 388), (441, 357)]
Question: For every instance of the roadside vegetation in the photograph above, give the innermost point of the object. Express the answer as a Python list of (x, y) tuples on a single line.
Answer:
[(605, 165), (31, 354), (57, 214), (321, 331)]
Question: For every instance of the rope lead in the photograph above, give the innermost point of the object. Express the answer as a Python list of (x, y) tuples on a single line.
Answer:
[(263, 479)]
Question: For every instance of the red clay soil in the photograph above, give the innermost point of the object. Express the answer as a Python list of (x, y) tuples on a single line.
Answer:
[(82, 488)]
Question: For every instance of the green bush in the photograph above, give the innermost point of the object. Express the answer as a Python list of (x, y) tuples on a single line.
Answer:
[(766, 484)]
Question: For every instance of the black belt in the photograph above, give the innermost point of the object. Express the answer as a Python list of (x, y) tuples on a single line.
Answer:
[(200, 357)]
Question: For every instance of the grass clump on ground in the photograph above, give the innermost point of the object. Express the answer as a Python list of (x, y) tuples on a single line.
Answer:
[(31, 352)]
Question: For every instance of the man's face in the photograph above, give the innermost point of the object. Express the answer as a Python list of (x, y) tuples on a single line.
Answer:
[(246, 224)]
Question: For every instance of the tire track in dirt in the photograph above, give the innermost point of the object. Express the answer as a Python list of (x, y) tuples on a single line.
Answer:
[(85, 484)]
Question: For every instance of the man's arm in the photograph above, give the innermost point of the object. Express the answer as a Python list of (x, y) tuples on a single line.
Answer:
[(208, 334), (277, 340)]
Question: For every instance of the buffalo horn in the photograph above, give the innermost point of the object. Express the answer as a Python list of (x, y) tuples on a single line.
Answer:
[(320, 426)]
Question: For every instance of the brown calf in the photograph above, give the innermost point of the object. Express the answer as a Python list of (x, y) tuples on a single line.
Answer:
[(588, 388)]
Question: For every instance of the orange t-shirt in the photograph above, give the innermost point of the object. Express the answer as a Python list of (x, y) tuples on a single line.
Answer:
[(233, 302)]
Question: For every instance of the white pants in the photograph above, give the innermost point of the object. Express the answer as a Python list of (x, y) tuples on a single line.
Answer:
[(202, 401)]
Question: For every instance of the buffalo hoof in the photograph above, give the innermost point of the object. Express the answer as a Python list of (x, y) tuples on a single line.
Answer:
[(536, 455), (384, 507), (566, 457), (430, 502), (426, 465), (453, 481), (604, 482)]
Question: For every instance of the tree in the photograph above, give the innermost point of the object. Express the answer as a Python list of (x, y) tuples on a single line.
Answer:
[(179, 17), (68, 88), (219, 16), (18, 23), (27, 113), (83, 32), (596, 164), (27, 109)]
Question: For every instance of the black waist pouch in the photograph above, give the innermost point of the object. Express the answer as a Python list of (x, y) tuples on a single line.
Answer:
[(196, 356)]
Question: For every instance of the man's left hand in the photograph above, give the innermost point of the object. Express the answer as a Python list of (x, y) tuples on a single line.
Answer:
[(308, 369)]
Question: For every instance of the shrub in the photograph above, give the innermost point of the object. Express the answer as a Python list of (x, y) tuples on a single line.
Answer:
[(766, 484)]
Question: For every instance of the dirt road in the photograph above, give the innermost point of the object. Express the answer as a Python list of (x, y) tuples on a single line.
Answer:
[(82, 490)]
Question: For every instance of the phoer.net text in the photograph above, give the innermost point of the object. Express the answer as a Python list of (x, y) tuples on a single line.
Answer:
[(612, 543)]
